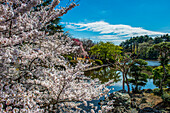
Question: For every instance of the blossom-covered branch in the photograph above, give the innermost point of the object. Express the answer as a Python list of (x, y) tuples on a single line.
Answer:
[(29, 78)]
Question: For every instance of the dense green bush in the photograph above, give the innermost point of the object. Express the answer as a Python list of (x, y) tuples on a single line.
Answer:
[(156, 91), (99, 62), (166, 97)]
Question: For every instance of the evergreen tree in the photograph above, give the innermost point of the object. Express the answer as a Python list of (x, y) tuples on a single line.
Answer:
[(159, 79), (52, 26), (164, 53), (138, 78)]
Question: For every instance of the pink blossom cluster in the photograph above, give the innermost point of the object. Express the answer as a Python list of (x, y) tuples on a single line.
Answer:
[(30, 81)]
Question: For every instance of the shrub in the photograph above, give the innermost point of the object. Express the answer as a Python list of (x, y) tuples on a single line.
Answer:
[(156, 91), (99, 62), (166, 97)]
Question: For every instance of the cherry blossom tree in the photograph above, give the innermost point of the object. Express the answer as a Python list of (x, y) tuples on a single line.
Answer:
[(34, 76)]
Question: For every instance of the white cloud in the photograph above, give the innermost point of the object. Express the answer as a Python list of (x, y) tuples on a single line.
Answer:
[(107, 37), (108, 31), (106, 28), (71, 27), (117, 41)]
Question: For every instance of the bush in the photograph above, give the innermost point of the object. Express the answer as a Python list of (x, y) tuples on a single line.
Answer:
[(73, 62), (166, 97), (156, 91), (99, 62)]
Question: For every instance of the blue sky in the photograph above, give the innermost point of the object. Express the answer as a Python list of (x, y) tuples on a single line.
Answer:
[(118, 20)]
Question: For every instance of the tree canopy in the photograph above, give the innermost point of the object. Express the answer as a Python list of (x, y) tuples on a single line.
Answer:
[(137, 76), (34, 75), (105, 50), (142, 45)]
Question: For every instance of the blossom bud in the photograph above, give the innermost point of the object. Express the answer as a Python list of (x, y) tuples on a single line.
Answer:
[(85, 103), (2, 28), (55, 3), (92, 111)]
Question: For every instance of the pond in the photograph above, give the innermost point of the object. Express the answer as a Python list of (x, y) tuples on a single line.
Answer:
[(153, 63), (105, 74)]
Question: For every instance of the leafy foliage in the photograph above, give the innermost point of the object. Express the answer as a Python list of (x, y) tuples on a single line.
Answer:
[(99, 62), (105, 50), (164, 52), (166, 97), (158, 73), (34, 75), (138, 78), (123, 64), (142, 45)]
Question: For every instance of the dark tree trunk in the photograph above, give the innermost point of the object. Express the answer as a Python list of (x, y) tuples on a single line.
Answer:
[(123, 80), (127, 82)]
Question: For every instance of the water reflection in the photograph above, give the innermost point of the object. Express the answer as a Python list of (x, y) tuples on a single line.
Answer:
[(107, 73), (104, 74)]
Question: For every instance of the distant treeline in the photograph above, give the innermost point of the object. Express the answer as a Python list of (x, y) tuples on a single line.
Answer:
[(142, 45)]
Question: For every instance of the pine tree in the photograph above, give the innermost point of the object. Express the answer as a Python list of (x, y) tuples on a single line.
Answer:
[(138, 77), (53, 26)]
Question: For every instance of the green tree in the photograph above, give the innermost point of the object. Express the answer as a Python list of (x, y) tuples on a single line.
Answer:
[(152, 53), (105, 50), (164, 58), (52, 26), (123, 64), (166, 38), (138, 77), (164, 52), (131, 45), (143, 45), (158, 40), (159, 79)]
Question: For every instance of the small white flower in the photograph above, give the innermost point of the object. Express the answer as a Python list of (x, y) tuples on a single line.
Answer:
[(85, 103), (92, 111)]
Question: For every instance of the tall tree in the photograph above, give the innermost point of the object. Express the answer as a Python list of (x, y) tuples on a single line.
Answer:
[(164, 58), (159, 78), (53, 25), (30, 81), (138, 77), (123, 64)]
